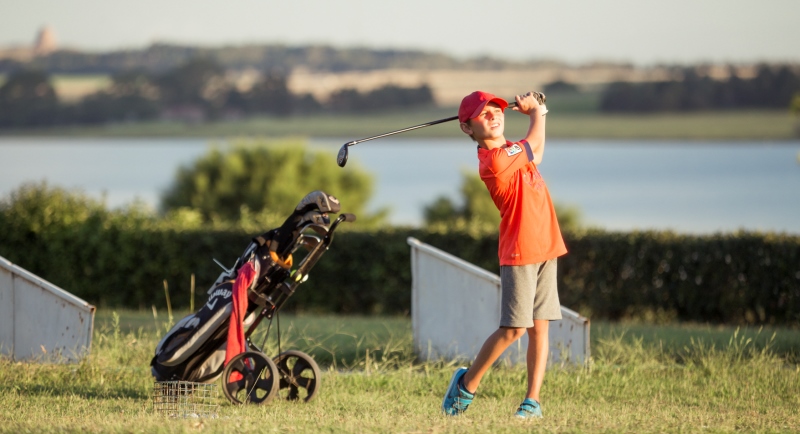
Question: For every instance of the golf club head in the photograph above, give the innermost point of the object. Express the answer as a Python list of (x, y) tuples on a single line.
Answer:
[(341, 159)]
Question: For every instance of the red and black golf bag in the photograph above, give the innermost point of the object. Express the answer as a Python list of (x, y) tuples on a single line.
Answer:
[(266, 275)]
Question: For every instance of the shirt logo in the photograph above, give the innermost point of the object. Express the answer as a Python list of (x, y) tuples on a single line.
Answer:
[(513, 150), (534, 179)]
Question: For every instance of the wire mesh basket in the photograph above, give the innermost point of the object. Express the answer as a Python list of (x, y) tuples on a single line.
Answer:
[(185, 399)]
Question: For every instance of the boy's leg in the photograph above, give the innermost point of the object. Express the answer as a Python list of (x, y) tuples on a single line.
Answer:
[(538, 352), (492, 348), (518, 287), (464, 383), (546, 307)]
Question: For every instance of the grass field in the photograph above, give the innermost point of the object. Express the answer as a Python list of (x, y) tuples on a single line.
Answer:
[(73, 87), (642, 378), (579, 124)]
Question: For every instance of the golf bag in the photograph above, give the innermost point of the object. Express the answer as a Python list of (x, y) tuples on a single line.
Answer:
[(195, 348)]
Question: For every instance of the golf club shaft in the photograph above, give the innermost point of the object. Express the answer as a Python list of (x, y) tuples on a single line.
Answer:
[(343, 155), (427, 124)]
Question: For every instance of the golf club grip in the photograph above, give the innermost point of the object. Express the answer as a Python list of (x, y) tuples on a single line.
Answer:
[(538, 95)]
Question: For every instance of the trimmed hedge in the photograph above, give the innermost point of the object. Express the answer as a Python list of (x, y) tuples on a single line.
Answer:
[(743, 278)]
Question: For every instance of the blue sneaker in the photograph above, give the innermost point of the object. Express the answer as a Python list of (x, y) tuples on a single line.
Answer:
[(457, 399), (529, 409)]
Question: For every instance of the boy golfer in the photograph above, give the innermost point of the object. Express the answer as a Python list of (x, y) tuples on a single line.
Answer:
[(530, 242)]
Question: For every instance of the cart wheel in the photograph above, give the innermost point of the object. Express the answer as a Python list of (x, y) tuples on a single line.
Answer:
[(257, 383), (299, 376)]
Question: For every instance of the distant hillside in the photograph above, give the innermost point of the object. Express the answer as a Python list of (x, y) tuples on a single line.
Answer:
[(280, 58), (321, 71)]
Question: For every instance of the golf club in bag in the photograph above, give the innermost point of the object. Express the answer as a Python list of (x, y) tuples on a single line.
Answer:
[(344, 153), (215, 340)]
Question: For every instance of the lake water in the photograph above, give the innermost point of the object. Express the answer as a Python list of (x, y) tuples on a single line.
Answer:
[(692, 187)]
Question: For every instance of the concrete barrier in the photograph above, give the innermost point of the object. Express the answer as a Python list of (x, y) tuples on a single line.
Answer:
[(41, 321), (455, 306)]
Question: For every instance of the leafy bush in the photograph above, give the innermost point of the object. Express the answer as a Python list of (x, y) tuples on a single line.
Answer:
[(254, 177), (734, 278)]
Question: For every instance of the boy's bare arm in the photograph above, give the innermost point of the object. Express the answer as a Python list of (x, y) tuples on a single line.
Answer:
[(528, 105)]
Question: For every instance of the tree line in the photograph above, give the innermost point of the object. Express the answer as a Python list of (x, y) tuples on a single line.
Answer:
[(163, 57), (195, 90), (772, 87)]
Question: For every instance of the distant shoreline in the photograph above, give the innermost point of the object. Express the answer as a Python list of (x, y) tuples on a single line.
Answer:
[(767, 125)]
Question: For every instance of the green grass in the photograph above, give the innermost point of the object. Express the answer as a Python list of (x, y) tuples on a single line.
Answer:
[(714, 379), (87, 82), (571, 123)]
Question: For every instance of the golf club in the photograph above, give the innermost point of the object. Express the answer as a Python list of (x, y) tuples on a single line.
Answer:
[(341, 158)]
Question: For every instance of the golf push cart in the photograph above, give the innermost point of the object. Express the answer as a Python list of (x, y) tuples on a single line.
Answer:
[(194, 350)]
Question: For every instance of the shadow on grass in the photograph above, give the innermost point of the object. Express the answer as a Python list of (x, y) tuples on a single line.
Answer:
[(676, 338), (76, 390), (349, 342)]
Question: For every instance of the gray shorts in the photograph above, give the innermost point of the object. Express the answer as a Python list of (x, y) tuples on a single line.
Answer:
[(529, 292)]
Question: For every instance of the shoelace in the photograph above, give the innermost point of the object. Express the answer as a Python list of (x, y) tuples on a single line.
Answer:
[(461, 401)]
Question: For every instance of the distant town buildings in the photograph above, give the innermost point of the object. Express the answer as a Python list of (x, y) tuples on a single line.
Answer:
[(44, 44), (45, 41)]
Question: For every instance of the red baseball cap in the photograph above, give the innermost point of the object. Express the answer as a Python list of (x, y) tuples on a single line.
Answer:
[(473, 104)]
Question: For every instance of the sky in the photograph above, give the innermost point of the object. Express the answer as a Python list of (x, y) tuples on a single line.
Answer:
[(642, 32)]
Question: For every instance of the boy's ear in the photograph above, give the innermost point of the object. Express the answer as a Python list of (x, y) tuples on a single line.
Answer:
[(466, 128)]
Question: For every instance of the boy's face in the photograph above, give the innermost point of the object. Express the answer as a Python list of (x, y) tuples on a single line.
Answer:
[(489, 124)]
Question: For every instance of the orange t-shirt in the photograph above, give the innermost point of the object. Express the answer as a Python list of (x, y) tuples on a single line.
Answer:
[(529, 231)]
